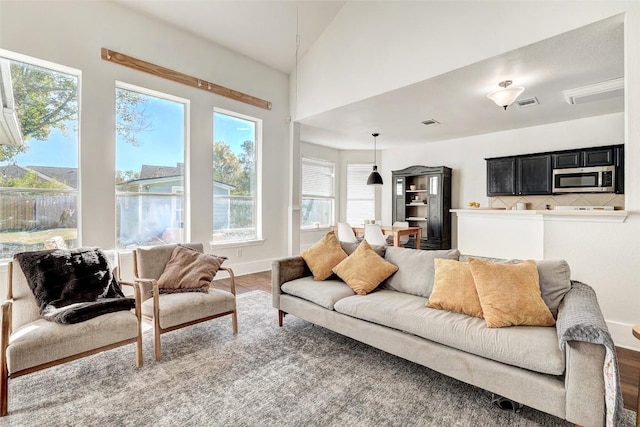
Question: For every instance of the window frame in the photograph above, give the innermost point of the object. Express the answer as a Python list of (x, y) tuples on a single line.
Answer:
[(258, 178), (306, 196), (364, 171), (185, 193), (77, 73)]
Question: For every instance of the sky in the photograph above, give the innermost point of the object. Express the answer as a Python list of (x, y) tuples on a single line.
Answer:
[(160, 145)]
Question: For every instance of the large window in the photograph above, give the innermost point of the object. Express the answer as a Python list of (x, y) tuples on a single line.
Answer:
[(150, 147), (361, 200), (38, 155), (236, 201), (318, 177)]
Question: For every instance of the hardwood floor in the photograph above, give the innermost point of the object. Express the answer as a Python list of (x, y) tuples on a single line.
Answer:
[(628, 360)]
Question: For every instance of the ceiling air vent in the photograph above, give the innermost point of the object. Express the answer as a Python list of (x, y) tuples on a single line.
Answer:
[(595, 92), (524, 103), (430, 122)]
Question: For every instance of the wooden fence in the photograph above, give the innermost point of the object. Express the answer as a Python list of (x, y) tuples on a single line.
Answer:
[(28, 211)]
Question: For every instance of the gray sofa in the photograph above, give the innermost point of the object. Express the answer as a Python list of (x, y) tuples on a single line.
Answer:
[(525, 364)]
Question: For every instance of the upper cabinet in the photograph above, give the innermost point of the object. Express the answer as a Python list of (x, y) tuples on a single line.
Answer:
[(584, 158), (513, 176), (532, 174)]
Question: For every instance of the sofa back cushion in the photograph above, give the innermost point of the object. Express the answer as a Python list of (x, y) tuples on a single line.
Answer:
[(416, 269), (554, 274)]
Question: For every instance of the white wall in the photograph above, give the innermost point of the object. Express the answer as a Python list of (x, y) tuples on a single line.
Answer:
[(72, 33), (372, 47)]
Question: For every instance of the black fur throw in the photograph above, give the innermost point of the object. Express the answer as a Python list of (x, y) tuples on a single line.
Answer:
[(72, 286)]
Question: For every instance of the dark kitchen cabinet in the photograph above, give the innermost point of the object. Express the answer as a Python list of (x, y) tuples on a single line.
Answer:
[(602, 156), (501, 176), (513, 176), (572, 159), (534, 175), (422, 197), (598, 157)]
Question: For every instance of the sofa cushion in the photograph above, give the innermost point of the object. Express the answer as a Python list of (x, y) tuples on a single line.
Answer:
[(364, 269), (454, 288), (415, 269), (554, 276), (324, 293), (510, 294), (530, 347), (41, 341), (325, 254)]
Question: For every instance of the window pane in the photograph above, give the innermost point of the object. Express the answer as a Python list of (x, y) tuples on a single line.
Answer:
[(317, 185), (235, 194), (150, 145), (317, 213), (360, 196), (38, 158)]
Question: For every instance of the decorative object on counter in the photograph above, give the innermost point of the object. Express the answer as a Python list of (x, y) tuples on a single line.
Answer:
[(505, 96), (521, 206), (473, 204), (374, 177)]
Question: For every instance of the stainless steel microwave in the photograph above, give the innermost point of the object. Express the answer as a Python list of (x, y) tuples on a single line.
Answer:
[(596, 179)]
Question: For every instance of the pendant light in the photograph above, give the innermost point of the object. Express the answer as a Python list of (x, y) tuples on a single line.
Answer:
[(374, 177), (505, 96)]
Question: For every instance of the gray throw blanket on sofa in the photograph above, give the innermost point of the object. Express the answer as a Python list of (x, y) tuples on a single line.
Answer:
[(582, 321), (72, 286)]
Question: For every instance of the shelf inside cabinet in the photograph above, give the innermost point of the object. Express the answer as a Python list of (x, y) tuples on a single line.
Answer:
[(415, 218)]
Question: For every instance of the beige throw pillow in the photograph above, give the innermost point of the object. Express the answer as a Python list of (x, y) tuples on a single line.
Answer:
[(364, 269), (188, 270), (510, 294), (325, 254), (454, 288)]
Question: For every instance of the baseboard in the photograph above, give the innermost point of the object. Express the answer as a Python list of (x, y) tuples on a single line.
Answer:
[(240, 269), (622, 336)]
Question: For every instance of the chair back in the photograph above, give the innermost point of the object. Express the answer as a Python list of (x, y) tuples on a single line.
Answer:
[(373, 235), (346, 234), (150, 261), (24, 308)]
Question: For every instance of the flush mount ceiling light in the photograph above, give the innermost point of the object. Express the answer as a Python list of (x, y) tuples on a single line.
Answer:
[(505, 96), (374, 177)]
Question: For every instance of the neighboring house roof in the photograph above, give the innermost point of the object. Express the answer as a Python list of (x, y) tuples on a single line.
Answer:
[(150, 171), (150, 174), (68, 176)]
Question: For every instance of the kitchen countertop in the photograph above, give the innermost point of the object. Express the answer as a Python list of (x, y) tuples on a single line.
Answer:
[(547, 215)]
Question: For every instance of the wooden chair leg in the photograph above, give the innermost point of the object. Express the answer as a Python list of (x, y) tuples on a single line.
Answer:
[(638, 407), (234, 322), (280, 317), (156, 337), (4, 388)]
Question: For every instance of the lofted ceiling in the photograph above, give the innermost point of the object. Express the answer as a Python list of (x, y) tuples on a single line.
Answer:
[(265, 31)]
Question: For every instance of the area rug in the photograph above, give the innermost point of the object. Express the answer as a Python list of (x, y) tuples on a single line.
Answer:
[(297, 375)]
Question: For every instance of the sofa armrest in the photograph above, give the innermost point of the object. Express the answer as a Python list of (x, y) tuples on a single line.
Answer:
[(284, 270), (584, 384), (590, 352)]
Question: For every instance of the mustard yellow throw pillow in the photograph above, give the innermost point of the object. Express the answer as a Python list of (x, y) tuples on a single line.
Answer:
[(510, 294), (325, 254), (364, 269), (454, 288)]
